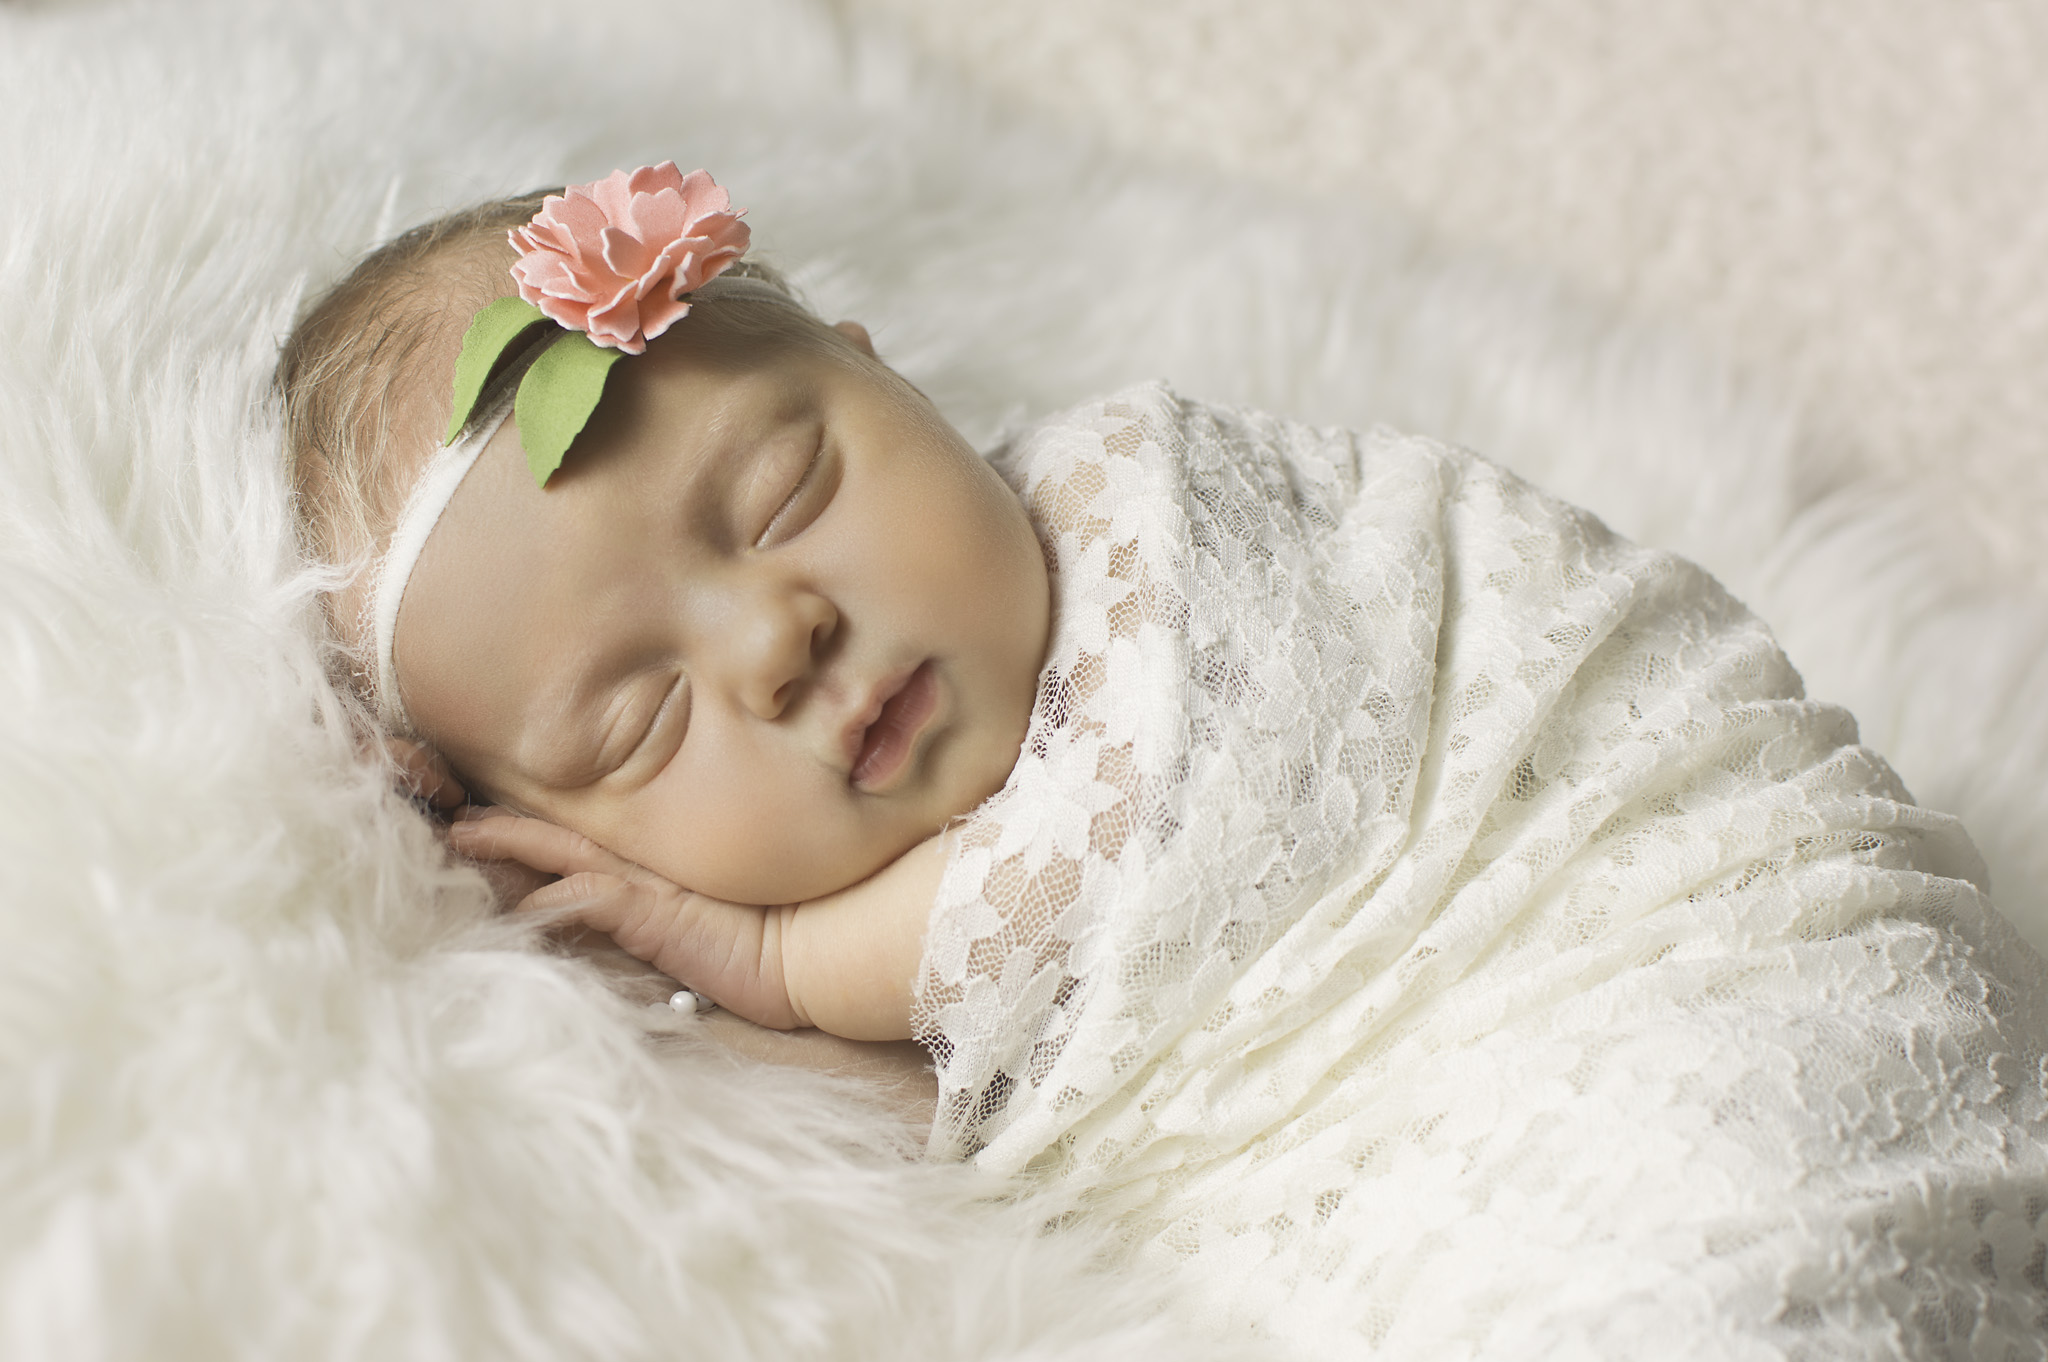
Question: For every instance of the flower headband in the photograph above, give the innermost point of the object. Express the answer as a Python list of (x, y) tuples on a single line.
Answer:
[(610, 262), (610, 265)]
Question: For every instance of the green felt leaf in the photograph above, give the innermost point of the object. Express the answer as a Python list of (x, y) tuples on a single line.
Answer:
[(556, 398), (492, 329)]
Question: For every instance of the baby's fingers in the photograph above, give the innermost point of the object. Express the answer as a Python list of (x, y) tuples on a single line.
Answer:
[(646, 921), (711, 946), (622, 910), (544, 846), (583, 897)]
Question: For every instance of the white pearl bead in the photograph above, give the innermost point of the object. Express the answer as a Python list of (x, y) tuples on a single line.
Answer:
[(682, 1000)]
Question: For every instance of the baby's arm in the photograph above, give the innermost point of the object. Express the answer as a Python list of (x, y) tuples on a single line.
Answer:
[(844, 963)]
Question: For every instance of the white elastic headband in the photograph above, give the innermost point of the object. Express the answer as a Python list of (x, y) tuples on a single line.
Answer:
[(430, 497)]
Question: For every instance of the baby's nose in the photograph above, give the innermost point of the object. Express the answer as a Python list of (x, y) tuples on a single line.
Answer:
[(781, 640)]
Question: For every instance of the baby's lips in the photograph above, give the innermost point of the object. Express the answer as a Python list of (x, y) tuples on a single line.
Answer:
[(853, 733), (892, 737)]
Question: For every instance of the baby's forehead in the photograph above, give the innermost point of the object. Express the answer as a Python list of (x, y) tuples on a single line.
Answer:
[(722, 374), (690, 391), (674, 427)]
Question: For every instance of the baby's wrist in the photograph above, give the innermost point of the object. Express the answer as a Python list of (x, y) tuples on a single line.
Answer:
[(778, 930), (849, 959)]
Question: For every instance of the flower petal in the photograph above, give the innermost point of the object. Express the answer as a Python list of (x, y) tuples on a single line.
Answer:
[(658, 312), (618, 324), (705, 261), (608, 195), (572, 215), (664, 266), (659, 217), (615, 258), (702, 195), (551, 275), (653, 179), (727, 230), (563, 311), (623, 254), (537, 238)]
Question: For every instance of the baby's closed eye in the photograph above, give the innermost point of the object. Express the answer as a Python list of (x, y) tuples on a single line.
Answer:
[(806, 472), (651, 727)]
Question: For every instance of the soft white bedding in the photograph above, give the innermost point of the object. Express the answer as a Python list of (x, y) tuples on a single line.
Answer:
[(275, 1084)]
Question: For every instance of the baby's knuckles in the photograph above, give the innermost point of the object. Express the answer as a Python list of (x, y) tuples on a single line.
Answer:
[(728, 951)]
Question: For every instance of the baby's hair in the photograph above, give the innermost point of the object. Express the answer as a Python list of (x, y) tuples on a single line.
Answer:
[(359, 417)]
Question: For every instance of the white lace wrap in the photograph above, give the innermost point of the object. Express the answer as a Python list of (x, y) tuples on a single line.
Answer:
[(1443, 924)]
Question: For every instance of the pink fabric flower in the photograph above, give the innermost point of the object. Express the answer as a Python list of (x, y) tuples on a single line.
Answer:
[(613, 259)]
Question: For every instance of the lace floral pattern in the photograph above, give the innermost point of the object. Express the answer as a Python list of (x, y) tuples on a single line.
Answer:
[(1436, 921)]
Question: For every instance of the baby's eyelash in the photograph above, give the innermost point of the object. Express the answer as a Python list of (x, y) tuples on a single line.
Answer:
[(795, 494), (678, 693)]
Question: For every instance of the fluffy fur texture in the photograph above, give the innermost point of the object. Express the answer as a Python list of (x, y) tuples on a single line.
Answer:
[(276, 1083)]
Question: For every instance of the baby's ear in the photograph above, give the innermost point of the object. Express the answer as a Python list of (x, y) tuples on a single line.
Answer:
[(423, 774), (858, 334)]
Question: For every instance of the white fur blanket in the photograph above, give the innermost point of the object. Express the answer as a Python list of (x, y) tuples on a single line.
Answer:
[(1429, 920), (273, 1083)]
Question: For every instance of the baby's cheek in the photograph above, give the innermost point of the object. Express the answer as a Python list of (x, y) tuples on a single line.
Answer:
[(745, 835)]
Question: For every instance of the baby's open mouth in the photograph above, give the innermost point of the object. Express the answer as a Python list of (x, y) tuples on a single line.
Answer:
[(888, 740)]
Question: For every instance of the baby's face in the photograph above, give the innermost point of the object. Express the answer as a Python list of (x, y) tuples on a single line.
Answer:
[(771, 624)]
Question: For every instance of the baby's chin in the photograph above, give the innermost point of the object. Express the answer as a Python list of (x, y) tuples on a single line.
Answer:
[(802, 870)]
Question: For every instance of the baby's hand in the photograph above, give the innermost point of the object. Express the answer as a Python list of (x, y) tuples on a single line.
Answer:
[(844, 963), (731, 952), (424, 776)]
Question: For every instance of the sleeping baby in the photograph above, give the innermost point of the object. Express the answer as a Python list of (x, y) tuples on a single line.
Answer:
[(1378, 890), (770, 629)]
